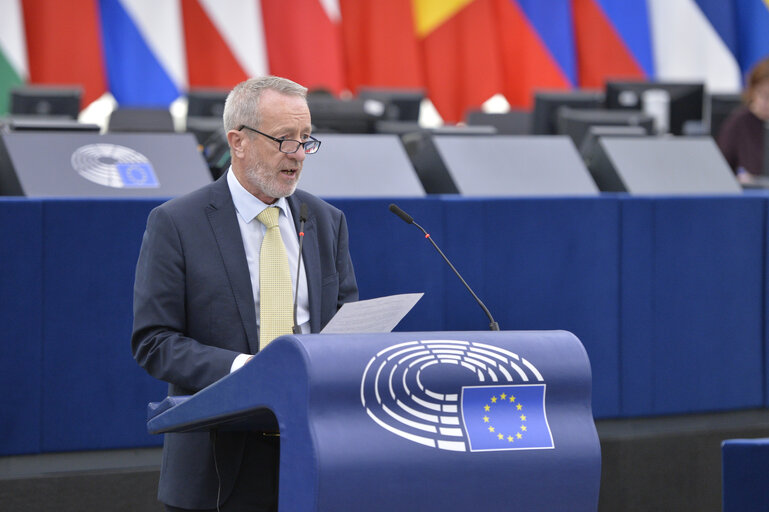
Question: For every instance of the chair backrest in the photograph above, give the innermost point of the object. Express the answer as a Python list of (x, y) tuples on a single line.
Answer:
[(140, 120), (514, 122)]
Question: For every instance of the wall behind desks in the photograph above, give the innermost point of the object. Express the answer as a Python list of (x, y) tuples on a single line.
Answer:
[(94, 394), (21, 325), (693, 307), (67, 279), (542, 265), (392, 257)]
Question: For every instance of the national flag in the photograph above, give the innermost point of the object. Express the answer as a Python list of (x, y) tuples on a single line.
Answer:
[(536, 45), (613, 41), (64, 45), (688, 47), (380, 43), (460, 52), (752, 33), (13, 51), (144, 51), (224, 42), (510, 417), (304, 42)]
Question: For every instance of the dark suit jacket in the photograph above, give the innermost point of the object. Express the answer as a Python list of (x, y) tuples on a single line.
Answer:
[(194, 313)]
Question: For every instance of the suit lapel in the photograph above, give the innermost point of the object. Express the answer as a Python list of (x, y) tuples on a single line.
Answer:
[(311, 259), (224, 223)]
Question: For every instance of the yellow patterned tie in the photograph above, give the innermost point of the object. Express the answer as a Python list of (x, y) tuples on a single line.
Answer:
[(275, 301)]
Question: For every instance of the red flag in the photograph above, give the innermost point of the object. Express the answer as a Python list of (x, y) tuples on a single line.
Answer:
[(381, 47), (528, 65), (304, 43), (210, 62), (601, 52), (64, 45), (462, 59)]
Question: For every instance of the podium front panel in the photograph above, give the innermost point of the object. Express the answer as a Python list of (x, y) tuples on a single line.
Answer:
[(429, 421)]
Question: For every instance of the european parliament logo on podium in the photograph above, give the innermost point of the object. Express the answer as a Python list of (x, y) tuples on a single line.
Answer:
[(410, 389), (113, 165)]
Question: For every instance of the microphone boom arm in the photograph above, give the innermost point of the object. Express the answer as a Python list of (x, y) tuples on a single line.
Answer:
[(493, 325)]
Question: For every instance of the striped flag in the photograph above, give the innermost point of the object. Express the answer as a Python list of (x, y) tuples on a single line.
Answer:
[(224, 41), (13, 50), (613, 41), (688, 47), (144, 51), (752, 34), (460, 51), (304, 42), (537, 45), (64, 45)]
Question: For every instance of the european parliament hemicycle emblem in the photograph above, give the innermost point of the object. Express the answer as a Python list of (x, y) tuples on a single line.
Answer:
[(410, 389), (115, 166)]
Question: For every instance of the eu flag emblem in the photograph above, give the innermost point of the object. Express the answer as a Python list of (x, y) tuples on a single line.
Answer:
[(137, 175), (506, 417)]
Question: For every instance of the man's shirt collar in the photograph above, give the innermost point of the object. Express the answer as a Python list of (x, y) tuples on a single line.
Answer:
[(247, 205)]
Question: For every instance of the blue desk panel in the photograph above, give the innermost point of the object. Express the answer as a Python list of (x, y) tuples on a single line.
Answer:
[(21, 325), (95, 395), (392, 257), (666, 294), (540, 265), (692, 304)]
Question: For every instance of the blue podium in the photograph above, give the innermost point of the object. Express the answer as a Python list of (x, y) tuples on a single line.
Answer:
[(428, 421)]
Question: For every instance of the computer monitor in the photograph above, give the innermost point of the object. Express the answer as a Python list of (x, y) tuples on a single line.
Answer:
[(400, 104), (720, 107), (589, 147), (576, 122), (514, 122), (206, 102), (332, 115), (685, 100), (46, 101), (547, 103)]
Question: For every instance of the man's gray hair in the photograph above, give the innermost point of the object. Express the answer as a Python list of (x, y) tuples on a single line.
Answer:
[(242, 105)]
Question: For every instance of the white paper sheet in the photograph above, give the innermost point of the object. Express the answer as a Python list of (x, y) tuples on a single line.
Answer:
[(373, 315)]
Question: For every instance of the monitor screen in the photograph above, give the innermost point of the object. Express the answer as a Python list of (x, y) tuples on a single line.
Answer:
[(721, 106), (46, 101), (685, 101), (546, 105), (400, 104), (576, 122), (589, 147), (206, 102)]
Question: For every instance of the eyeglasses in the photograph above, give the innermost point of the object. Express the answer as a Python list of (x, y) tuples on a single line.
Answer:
[(289, 146)]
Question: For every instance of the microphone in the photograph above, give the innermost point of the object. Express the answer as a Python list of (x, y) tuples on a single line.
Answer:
[(408, 219), (302, 220)]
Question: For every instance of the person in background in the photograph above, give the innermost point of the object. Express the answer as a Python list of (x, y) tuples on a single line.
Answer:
[(200, 308), (741, 137)]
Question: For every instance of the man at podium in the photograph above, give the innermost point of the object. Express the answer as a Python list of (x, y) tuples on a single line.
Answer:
[(220, 275)]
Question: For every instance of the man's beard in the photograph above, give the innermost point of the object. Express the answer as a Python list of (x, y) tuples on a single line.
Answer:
[(268, 182)]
